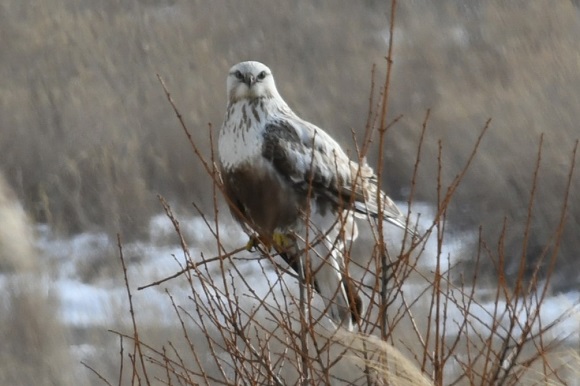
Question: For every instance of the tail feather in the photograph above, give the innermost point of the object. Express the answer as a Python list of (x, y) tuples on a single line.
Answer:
[(327, 278), (390, 212), (354, 300), (343, 304), (402, 223)]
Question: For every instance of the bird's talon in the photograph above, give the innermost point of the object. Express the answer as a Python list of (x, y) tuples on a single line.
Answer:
[(252, 243), (282, 241)]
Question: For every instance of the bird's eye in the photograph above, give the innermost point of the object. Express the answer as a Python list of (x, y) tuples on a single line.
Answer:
[(238, 75), (261, 75)]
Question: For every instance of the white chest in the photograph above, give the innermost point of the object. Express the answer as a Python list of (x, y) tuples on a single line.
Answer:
[(241, 137)]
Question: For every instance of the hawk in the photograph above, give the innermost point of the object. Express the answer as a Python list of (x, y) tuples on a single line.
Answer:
[(285, 176)]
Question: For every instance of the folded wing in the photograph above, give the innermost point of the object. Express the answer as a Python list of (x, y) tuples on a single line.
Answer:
[(310, 159)]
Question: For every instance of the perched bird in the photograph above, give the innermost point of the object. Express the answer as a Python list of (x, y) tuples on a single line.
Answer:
[(287, 180)]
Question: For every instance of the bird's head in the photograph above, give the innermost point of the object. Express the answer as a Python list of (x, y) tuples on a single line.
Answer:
[(250, 80)]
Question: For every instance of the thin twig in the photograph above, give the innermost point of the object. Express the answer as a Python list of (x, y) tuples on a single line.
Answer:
[(382, 131), (136, 340), (192, 266), (96, 373)]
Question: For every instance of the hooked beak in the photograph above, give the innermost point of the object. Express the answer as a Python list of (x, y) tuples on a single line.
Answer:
[(249, 79)]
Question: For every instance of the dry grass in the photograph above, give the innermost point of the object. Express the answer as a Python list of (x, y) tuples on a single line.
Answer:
[(87, 141), (276, 332), (516, 63), (238, 330), (16, 247), (35, 344)]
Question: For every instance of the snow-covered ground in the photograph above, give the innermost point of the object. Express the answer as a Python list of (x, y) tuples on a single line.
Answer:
[(103, 299)]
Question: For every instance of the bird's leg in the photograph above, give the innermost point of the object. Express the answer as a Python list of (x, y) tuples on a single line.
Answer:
[(256, 242), (283, 242), (252, 243), (285, 245)]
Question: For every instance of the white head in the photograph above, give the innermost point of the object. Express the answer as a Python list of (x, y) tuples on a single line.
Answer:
[(251, 80)]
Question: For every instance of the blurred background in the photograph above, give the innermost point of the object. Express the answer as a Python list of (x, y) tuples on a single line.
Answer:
[(88, 139)]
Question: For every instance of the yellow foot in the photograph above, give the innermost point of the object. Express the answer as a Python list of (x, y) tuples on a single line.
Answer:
[(253, 243), (282, 242)]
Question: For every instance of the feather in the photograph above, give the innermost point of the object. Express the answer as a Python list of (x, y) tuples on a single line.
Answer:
[(271, 160)]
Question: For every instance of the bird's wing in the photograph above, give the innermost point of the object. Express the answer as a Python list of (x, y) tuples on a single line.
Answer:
[(310, 159), (304, 156)]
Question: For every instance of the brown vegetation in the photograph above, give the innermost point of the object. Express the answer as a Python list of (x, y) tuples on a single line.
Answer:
[(34, 347), (240, 332), (16, 241), (252, 323), (88, 140)]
